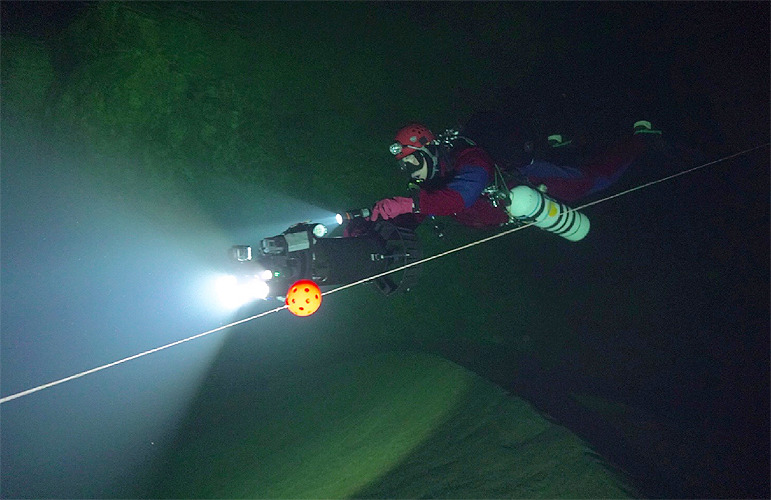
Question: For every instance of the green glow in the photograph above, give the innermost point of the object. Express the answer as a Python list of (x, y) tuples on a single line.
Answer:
[(329, 436)]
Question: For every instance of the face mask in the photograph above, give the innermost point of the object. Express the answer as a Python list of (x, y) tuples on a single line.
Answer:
[(408, 167), (429, 156), (425, 156)]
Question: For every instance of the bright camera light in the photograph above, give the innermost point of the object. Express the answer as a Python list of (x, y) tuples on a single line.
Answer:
[(234, 293), (256, 289), (339, 219), (319, 230)]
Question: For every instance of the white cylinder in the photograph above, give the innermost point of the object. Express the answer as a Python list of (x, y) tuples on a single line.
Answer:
[(529, 205)]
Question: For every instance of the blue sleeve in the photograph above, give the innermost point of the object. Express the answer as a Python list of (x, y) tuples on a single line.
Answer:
[(469, 182)]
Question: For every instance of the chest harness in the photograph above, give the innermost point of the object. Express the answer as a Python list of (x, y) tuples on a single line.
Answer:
[(497, 192)]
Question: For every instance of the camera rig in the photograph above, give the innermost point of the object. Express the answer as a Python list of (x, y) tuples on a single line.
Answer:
[(303, 252)]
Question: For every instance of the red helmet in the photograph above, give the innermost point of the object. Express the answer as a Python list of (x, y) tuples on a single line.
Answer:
[(410, 138)]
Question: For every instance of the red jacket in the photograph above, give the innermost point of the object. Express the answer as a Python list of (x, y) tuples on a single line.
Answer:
[(459, 194)]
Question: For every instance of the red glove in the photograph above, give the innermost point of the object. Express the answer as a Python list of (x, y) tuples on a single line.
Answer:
[(391, 207)]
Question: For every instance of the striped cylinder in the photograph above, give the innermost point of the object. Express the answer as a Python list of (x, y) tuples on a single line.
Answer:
[(531, 206)]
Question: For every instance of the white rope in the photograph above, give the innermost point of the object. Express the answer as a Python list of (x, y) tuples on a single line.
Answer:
[(349, 285), (135, 356)]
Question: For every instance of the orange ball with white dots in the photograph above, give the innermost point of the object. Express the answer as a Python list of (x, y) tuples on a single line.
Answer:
[(303, 298)]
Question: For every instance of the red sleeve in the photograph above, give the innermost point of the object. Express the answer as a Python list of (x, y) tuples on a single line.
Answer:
[(440, 202), (449, 201)]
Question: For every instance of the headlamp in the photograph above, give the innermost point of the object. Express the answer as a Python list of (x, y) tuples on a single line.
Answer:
[(395, 148)]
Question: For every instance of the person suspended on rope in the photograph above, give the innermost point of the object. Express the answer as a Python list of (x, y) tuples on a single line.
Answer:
[(452, 175)]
